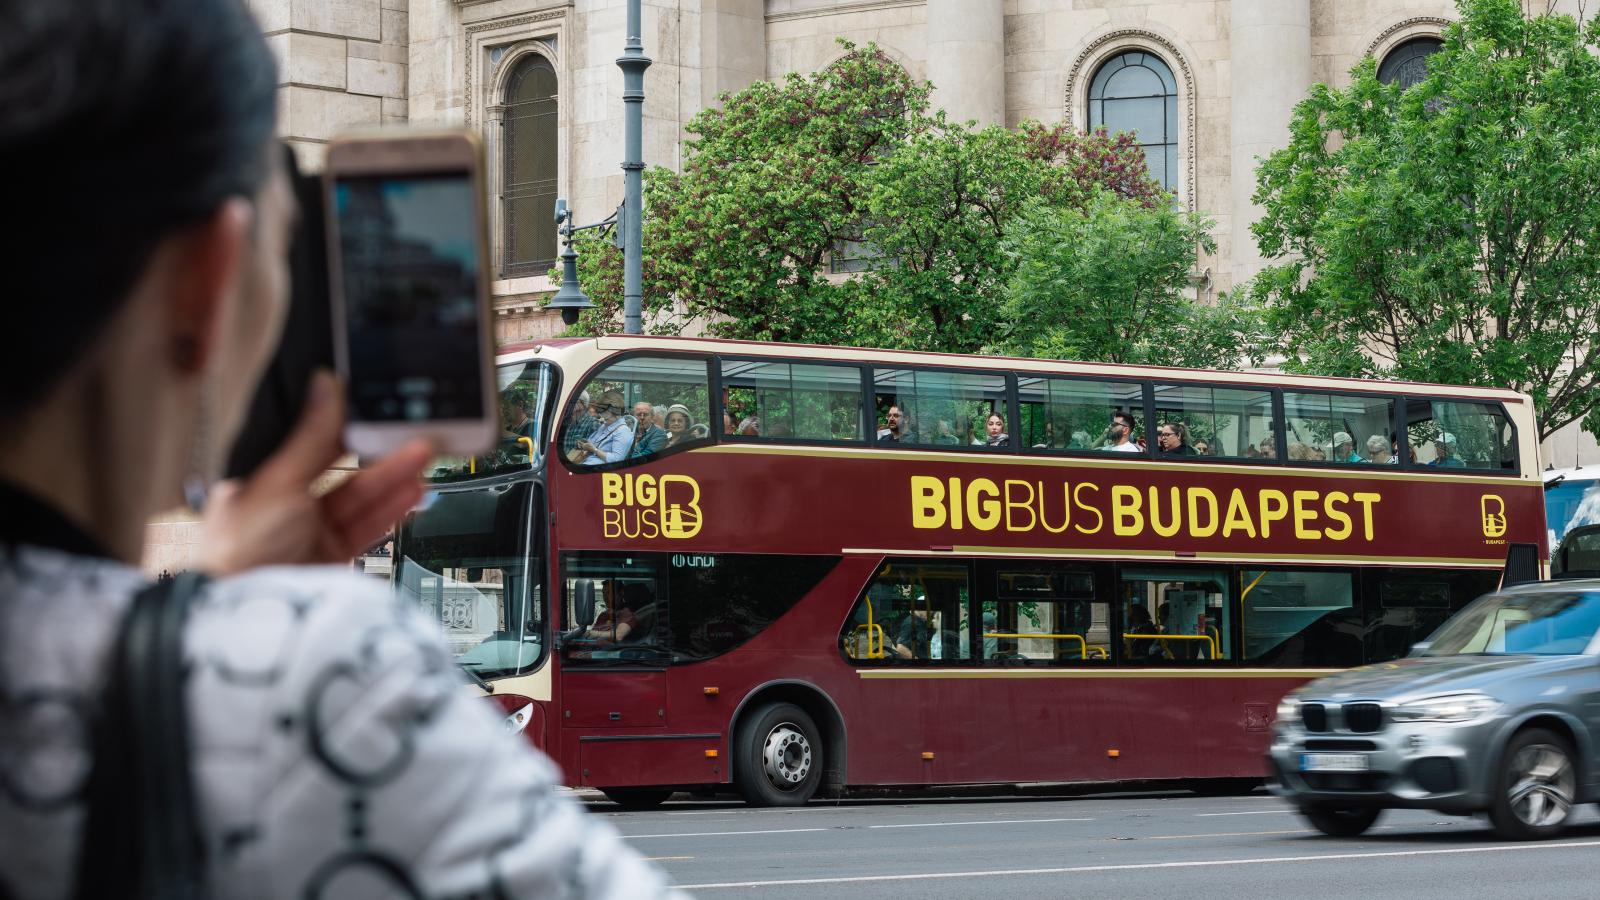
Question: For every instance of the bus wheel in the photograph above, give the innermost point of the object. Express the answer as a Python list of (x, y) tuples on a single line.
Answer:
[(637, 798), (1341, 821), (780, 756), (1536, 787)]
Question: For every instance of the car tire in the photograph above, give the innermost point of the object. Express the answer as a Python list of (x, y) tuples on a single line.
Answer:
[(779, 760), (1224, 787), (1341, 821), (637, 798), (1535, 788)]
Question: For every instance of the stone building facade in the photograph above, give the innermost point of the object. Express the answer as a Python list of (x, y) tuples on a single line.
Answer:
[(539, 79)]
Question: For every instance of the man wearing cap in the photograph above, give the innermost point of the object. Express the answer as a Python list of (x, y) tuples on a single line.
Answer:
[(612, 439), (914, 640), (1344, 448), (1445, 452)]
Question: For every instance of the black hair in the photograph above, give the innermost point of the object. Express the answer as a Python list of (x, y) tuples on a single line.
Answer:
[(121, 122)]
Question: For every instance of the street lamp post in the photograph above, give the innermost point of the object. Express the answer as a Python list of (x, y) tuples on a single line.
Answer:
[(629, 218)]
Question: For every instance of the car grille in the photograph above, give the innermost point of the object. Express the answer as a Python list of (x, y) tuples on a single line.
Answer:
[(1345, 744), (1363, 718), (1353, 782), (1315, 716)]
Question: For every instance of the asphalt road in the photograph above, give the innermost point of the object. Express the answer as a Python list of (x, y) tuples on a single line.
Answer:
[(1104, 846)]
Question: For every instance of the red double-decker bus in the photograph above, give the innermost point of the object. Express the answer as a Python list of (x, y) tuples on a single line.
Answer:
[(789, 569)]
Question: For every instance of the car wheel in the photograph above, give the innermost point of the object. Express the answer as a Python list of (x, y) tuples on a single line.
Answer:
[(780, 756), (1224, 787), (1536, 786), (637, 798), (1341, 821)]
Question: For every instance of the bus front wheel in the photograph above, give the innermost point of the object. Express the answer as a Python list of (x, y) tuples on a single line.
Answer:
[(780, 756)]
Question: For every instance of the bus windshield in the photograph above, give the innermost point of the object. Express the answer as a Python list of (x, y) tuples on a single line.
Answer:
[(525, 395), (470, 561), (1568, 503)]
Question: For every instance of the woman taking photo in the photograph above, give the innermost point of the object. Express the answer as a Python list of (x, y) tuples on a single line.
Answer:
[(332, 751)]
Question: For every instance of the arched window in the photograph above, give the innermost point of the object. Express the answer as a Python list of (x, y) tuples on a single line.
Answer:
[(1135, 92), (528, 194), (1407, 64)]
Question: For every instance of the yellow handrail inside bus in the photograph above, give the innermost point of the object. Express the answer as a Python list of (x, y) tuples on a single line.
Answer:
[(529, 442), (1083, 645), (1211, 642), (875, 648), (1248, 588)]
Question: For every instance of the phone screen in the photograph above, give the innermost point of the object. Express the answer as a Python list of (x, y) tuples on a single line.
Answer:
[(409, 273)]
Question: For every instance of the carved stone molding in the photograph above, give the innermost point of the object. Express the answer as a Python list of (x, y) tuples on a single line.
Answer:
[(470, 54), (1416, 26), (1101, 48), (860, 6)]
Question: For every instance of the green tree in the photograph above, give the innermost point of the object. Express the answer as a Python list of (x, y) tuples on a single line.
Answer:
[(1450, 232), (1107, 282), (783, 174)]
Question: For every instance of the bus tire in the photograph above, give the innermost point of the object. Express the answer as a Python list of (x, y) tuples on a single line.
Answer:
[(1341, 821), (636, 797), (779, 761)]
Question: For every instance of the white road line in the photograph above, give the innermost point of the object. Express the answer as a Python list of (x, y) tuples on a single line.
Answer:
[(665, 858), (1217, 834), (977, 822), (1134, 867), (1253, 812), (635, 837)]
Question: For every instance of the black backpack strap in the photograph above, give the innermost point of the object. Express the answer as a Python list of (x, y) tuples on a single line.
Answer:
[(141, 834)]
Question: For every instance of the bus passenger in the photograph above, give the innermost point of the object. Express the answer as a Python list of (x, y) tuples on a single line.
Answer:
[(648, 438), (914, 640), (579, 424), (1378, 450), (1445, 452), (893, 425), (1119, 434), (678, 422), (1172, 439), (1344, 448), (612, 439), (995, 428), (1202, 447), (750, 426), (622, 618)]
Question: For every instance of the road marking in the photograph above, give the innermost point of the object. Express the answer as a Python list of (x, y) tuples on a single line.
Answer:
[(1215, 834), (979, 822), (665, 858), (1253, 812), (1134, 867), (634, 837)]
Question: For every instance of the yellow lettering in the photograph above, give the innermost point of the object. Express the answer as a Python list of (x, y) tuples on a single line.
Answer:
[(1066, 508), (1302, 516), (1126, 519), (1274, 508), (955, 504), (1366, 499), (611, 521), (1171, 528), (611, 489), (1025, 505), (983, 514), (1330, 509), (644, 490), (927, 502), (1077, 499), (1196, 495), (648, 526), (1238, 518)]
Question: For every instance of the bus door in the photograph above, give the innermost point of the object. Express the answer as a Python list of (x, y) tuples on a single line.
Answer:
[(1049, 624)]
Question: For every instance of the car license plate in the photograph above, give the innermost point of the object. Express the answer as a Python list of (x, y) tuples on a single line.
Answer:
[(1333, 762)]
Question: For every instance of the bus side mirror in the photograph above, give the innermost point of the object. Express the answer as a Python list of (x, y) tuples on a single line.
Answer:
[(582, 604)]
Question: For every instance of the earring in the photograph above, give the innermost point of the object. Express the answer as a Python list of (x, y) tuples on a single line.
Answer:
[(197, 480)]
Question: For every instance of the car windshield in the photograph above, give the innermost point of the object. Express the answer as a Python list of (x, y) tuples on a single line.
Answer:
[(1538, 624), (465, 562), (1569, 503), (525, 390)]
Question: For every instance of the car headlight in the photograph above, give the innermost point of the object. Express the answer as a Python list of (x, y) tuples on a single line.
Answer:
[(1447, 708), (1288, 711)]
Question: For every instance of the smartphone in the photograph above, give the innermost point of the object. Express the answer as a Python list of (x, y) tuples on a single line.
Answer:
[(409, 281)]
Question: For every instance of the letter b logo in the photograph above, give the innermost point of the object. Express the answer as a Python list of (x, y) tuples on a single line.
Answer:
[(1494, 515)]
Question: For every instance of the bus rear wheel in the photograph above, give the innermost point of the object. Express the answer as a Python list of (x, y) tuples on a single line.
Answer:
[(637, 798), (779, 760)]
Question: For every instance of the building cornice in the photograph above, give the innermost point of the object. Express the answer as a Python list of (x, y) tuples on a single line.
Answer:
[(838, 9)]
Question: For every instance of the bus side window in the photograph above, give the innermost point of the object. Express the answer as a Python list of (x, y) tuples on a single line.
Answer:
[(783, 400), (913, 613), (672, 392), (1233, 423)]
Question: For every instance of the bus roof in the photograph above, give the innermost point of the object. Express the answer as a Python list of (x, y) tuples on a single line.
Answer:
[(618, 342)]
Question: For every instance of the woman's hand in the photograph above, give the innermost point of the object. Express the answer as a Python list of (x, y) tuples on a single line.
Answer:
[(274, 517)]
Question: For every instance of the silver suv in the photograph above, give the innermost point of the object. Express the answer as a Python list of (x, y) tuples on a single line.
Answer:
[(1497, 712)]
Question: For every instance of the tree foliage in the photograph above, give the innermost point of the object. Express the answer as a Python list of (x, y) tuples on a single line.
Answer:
[(1450, 232), (782, 175), (1108, 281)]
